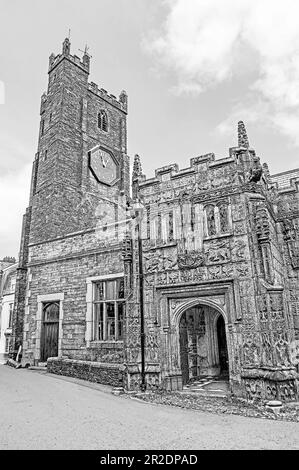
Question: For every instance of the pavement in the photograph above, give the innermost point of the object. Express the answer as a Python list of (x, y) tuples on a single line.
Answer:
[(44, 411)]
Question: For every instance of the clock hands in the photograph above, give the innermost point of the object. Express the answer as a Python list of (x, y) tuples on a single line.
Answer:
[(104, 163)]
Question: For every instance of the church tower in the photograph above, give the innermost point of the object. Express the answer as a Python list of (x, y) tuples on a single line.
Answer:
[(80, 179), (81, 156)]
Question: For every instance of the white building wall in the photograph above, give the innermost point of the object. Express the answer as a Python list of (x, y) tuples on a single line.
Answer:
[(5, 328), (7, 295)]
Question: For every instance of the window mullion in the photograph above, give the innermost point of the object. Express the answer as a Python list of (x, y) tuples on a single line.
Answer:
[(104, 321), (94, 315), (116, 320)]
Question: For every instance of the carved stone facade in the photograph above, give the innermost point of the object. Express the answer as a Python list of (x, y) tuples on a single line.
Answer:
[(217, 243), (228, 247)]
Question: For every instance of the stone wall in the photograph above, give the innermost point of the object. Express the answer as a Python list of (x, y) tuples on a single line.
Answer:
[(64, 241), (288, 233), (219, 233), (109, 374), (62, 182), (194, 251), (59, 267)]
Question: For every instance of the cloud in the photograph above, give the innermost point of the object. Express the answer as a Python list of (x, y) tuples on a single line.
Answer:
[(197, 41), (14, 197), (203, 42), (2, 92)]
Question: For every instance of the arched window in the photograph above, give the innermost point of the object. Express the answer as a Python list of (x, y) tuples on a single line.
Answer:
[(103, 120), (223, 218), (211, 223)]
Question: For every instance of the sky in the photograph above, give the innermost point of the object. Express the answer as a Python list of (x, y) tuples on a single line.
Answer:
[(192, 70)]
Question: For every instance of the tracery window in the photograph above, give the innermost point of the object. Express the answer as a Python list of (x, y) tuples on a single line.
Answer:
[(8, 341), (108, 310), (211, 221), (223, 218), (103, 120), (148, 223), (170, 226), (10, 317), (159, 227), (217, 219)]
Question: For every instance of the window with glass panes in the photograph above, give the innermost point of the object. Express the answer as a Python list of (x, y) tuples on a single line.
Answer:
[(10, 315), (7, 343), (108, 310)]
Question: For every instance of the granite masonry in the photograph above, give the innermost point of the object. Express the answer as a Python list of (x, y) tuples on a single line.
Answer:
[(210, 253)]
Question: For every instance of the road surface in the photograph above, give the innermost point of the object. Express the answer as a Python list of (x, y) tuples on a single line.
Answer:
[(41, 411)]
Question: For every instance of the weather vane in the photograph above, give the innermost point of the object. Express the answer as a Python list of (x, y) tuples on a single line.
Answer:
[(86, 51)]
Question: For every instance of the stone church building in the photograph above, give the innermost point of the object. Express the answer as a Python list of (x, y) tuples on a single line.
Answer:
[(193, 272)]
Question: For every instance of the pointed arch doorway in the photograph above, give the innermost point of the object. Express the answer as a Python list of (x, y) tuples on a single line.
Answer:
[(203, 344)]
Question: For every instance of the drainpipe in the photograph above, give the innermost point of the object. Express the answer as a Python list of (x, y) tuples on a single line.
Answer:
[(141, 303), (138, 209)]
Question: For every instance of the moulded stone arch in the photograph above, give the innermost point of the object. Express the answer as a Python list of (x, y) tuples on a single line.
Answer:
[(180, 309), (173, 333)]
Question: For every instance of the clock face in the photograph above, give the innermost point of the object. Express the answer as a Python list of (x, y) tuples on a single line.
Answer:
[(103, 165)]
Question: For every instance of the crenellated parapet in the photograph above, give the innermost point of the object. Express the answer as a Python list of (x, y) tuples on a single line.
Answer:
[(54, 60), (205, 176), (121, 103)]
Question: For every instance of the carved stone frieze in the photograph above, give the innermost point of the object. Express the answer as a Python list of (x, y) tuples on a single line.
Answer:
[(287, 391), (186, 276), (254, 389), (238, 210), (257, 389), (242, 270), (159, 260), (220, 271), (239, 228), (262, 224), (239, 250), (250, 347), (173, 277), (218, 252), (191, 259), (291, 235), (280, 339), (288, 205)]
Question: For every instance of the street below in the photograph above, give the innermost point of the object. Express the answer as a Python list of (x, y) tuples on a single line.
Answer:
[(42, 411)]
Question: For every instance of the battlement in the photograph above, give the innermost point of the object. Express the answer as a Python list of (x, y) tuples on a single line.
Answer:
[(200, 164), (55, 60), (83, 63), (121, 103)]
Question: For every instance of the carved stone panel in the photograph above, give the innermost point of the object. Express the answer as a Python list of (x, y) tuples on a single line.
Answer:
[(218, 252), (192, 259)]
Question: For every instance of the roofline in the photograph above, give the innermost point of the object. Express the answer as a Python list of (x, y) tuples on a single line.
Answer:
[(285, 172)]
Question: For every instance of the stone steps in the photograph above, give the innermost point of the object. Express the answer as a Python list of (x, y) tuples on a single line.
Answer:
[(204, 393), (208, 386), (40, 366)]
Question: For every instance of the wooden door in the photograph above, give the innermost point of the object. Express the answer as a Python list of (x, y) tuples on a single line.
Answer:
[(50, 328)]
